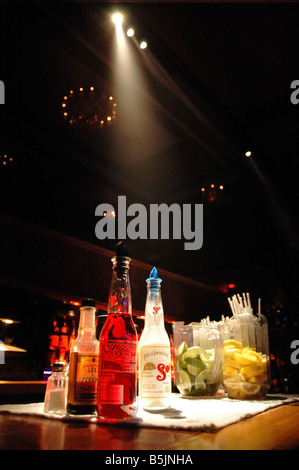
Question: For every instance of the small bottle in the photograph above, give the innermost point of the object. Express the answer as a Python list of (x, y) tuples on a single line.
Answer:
[(83, 372), (73, 334), (117, 381), (56, 391), (63, 342), (53, 352), (154, 351)]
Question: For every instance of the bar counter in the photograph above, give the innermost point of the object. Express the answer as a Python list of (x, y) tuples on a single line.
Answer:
[(274, 429)]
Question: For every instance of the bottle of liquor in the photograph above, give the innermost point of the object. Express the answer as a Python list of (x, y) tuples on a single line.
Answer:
[(154, 351), (53, 352), (83, 369), (73, 334), (117, 381), (63, 342)]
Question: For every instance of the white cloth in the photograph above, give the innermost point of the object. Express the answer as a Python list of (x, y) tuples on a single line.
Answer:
[(201, 414)]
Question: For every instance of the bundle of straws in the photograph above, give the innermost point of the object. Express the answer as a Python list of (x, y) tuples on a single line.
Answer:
[(242, 304)]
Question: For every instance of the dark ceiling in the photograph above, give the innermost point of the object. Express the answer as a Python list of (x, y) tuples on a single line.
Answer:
[(215, 82)]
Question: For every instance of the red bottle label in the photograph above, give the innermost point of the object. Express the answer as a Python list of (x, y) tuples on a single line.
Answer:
[(117, 372), (119, 355)]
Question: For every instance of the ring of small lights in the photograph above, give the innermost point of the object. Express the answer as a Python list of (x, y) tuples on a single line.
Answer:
[(87, 107)]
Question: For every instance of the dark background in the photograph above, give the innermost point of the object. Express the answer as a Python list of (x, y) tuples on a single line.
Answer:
[(217, 84)]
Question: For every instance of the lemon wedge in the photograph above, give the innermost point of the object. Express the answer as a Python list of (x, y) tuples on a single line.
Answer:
[(231, 387), (249, 389), (232, 343), (243, 360), (253, 370), (230, 371), (252, 354)]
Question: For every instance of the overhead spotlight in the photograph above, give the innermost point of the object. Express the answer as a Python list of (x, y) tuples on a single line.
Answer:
[(117, 19), (130, 32), (248, 153), (143, 45)]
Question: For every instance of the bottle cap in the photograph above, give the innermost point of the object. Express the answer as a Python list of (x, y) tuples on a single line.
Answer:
[(59, 366), (121, 250), (88, 303), (154, 281), (121, 260)]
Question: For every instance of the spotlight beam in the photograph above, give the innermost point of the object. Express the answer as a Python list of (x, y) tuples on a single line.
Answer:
[(117, 19)]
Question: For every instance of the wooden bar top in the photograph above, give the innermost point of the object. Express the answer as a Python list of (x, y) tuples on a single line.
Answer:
[(275, 429)]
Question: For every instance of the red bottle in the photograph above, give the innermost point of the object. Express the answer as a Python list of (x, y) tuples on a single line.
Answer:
[(53, 353), (64, 342), (117, 379)]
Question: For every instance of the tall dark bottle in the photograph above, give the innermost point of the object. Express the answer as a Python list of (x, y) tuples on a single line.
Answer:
[(117, 379)]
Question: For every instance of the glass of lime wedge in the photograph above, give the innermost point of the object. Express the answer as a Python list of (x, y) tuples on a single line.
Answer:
[(198, 354)]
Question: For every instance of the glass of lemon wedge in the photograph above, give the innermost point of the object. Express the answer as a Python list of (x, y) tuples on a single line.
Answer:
[(246, 368), (245, 371)]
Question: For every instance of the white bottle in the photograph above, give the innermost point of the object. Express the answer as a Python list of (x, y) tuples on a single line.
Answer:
[(154, 351)]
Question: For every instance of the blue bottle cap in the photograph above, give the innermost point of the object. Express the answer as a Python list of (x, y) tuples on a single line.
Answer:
[(154, 281)]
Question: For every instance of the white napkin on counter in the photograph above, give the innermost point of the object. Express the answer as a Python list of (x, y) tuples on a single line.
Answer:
[(201, 414)]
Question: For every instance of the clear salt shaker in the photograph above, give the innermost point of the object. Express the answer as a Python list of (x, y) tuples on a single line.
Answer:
[(56, 391)]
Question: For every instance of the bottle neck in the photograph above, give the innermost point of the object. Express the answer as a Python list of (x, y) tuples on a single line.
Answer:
[(120, 301), (87, 322), (154, 313)]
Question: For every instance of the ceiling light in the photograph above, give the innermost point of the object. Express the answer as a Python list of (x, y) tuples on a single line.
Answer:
[(143, 45), (8, 321), (130, 32), (248, 153), (89, 108), (212, 193), (117, 18), (5, 159)]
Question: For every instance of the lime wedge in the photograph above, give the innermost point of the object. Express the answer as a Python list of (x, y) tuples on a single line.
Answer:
[(182, 348), (203, 375), (180, 364), (208, 357), (200, 380), (200, 384), (193, 352), (195, 366), (184, 381)]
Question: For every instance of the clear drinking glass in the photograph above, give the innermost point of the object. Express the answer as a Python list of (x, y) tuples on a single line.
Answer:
[(246, 370), (198, 354)]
